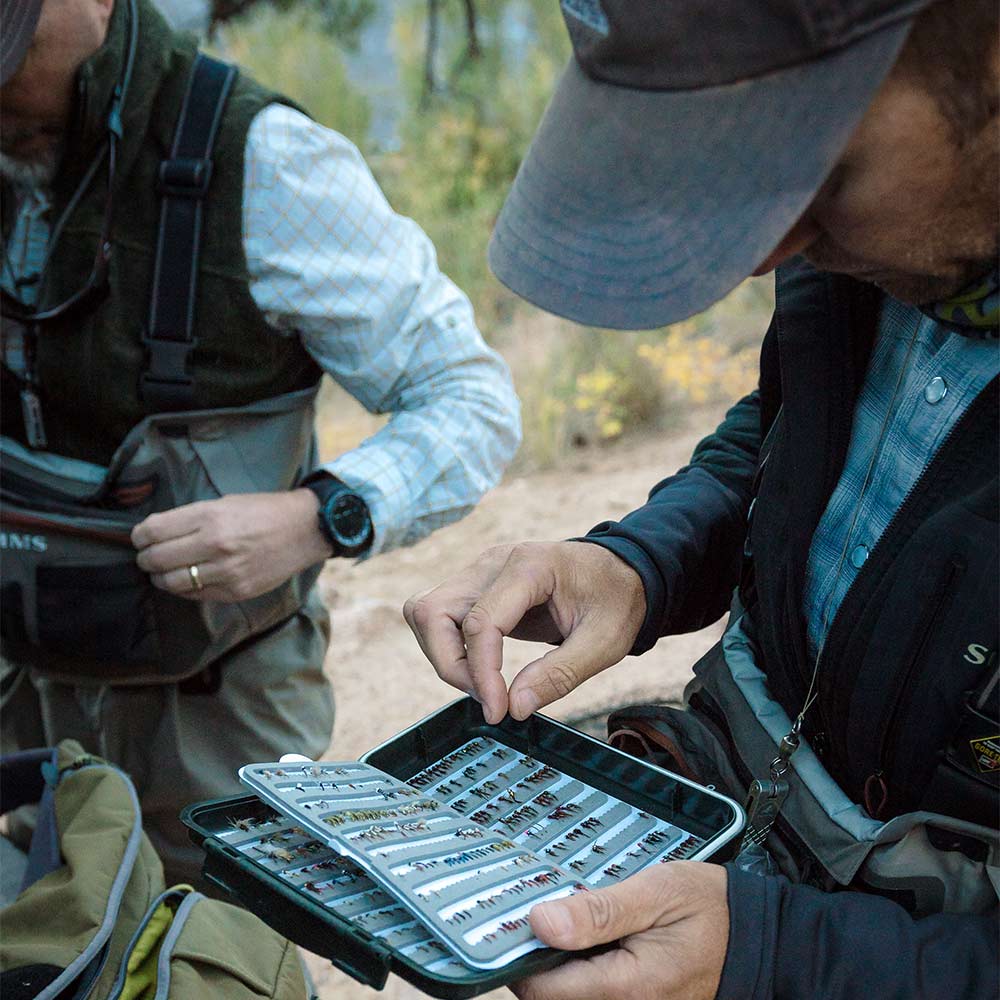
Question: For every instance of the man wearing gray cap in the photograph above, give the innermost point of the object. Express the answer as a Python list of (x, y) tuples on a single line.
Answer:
[(185, 255), (844, 513)]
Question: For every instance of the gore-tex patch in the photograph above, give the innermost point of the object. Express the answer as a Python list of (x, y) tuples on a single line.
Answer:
[(986, 750)]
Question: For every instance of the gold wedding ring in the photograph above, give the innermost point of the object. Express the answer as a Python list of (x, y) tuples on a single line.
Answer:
[(195, 577)]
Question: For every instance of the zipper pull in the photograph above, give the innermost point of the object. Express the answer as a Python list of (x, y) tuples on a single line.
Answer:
[(31, 414)]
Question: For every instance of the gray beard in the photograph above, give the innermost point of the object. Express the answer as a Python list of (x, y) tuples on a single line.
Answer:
[(37, 174)]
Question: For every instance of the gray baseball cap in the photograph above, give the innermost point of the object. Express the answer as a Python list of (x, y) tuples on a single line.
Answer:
[(684, 139), (18, 20)]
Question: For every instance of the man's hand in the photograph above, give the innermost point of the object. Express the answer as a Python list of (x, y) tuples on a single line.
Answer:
[(576, 593), (673, 924), (243, 545)]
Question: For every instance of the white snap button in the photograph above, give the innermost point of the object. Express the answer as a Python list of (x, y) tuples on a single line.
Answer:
[(935, 390)]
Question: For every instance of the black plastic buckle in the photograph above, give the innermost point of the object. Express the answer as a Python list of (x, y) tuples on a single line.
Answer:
[(166, 385), (168, 358), (166, 395), (184, 177)]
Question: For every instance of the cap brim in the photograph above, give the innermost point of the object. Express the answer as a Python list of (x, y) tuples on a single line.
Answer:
[(16, 32), (634, 209)]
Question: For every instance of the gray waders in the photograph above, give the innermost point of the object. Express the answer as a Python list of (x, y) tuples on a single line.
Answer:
[(179, 693), (821, 835)]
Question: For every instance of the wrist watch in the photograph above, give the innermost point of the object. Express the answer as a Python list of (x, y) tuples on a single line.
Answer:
[(343, 515)]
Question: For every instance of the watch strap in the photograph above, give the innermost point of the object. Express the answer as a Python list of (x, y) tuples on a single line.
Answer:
[(328, 487)]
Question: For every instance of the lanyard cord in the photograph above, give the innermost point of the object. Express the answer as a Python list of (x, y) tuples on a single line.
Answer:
[(56, 230), (766, 798), (812, 693), (81, 189), (109, 150), (96, 284)]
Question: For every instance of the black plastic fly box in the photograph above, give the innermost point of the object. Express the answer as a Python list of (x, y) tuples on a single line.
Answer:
[(426, 857)]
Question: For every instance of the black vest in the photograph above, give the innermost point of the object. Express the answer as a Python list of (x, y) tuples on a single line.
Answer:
[(898, 662)]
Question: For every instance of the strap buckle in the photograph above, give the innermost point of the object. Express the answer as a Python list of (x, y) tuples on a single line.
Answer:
[(184, 177), (166, 384)]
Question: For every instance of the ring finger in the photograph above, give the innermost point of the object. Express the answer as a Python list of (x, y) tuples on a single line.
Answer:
[(174, 553), (185, 580)]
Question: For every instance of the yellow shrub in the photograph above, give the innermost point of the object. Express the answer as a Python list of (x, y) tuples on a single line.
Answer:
[(699, 369)]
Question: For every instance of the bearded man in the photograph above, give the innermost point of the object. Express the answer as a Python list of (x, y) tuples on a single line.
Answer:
[(185, 254), (845, 512)]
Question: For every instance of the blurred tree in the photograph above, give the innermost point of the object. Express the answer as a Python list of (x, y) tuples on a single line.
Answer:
[(342, 19), (430, 50), (470, 29), (473, 50)]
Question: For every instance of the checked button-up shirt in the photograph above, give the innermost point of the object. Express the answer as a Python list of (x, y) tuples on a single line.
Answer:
[(333, 265), (940, 373)]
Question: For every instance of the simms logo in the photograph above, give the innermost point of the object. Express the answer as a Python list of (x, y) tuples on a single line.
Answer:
[(976, 654), (11, 540)]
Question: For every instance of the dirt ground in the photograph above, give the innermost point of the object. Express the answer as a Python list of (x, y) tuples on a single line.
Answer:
[(381, 680)]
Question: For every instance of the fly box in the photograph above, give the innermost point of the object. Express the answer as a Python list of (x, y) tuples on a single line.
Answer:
[(426, 856)]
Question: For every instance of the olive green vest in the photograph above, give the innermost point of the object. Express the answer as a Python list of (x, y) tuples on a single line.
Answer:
[(89, 372)]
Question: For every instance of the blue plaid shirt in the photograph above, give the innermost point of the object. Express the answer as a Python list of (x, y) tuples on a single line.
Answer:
[(331, 263), (945, 373)]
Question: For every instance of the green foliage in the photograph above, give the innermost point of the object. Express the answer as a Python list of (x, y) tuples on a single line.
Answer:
[(291, 52), (343, 20), (587, 389), (591, 387), (460, 150)]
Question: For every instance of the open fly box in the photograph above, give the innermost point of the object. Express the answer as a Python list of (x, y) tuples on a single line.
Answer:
[(425, 857)]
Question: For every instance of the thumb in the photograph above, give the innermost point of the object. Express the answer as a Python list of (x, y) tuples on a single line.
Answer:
[(583, 653), (599, 917)]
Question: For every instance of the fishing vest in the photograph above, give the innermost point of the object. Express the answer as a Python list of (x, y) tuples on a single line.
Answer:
[(897, 785), (932, 859), (90, 372), (135, 425)]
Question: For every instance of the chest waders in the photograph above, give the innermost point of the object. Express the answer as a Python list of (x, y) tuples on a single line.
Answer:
[(927, 861), (74, 604)]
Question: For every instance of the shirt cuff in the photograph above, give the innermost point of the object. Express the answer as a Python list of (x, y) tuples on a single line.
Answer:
[(386, 515), (753, 900)]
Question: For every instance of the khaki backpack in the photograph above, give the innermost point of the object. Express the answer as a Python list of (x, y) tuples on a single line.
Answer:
[(94, 920)]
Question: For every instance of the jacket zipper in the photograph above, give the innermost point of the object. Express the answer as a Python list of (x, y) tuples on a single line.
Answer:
[(747, 587), (877, 781)]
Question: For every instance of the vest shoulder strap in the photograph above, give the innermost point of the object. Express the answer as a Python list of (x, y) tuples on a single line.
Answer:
[(184, 181)]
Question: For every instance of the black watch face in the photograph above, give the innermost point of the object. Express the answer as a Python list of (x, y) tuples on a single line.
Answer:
[(349, 521)]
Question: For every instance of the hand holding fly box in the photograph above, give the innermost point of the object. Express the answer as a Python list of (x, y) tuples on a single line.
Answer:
[(471, 887), (426, 857)]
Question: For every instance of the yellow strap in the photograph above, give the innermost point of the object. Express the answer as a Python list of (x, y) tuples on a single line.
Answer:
[(140, 977)]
